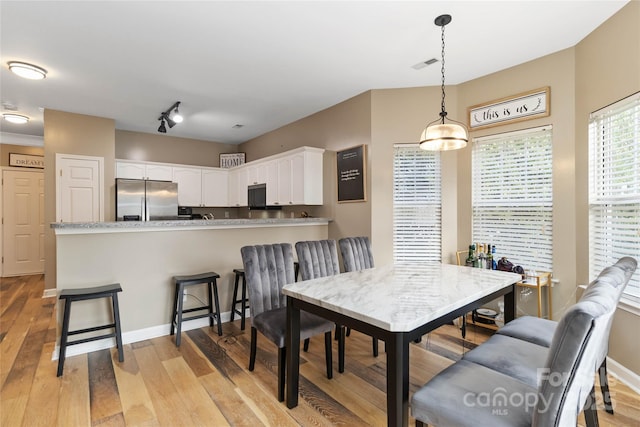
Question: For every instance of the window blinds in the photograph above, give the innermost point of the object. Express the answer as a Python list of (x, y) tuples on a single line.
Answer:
[(614, 188), (512, 196), (416, 205)]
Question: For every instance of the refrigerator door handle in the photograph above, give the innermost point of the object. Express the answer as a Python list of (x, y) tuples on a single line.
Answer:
[(143, 210)]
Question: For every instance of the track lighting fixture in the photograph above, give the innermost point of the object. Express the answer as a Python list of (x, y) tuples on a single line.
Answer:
[(171, 121)]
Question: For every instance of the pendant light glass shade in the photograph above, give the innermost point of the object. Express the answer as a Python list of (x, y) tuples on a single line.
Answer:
[(443, 137), (443, 134)]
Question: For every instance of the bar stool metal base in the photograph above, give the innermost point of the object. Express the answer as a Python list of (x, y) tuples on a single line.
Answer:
[(181, 282), (71, 295)]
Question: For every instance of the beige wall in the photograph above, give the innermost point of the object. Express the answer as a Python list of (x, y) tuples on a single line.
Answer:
[(556, 71), (161, 148), (344, 125), (5, 149), (607, 69), (69, 133)]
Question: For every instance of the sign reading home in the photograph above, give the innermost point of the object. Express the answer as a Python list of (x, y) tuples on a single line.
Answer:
[(524, 106), (26, 160), (231, 160), (351, 174)]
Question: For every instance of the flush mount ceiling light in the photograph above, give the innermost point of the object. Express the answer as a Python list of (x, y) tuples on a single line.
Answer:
[(171, 121), (18, 119), (27, 71), (443, 134)]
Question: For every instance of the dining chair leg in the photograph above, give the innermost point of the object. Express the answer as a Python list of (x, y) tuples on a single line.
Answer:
[(328, 354), (252, 354), (305, 347), (590, 410), (420, 424), (604, 387), (375, 347), (282, 357)]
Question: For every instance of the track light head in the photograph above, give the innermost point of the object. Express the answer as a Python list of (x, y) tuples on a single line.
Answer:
[(165, 117), (177, 117), (162, 128)]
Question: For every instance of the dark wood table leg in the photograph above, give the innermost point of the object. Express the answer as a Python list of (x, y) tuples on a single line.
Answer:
[(293, 353), (510, 305), (397, 348)]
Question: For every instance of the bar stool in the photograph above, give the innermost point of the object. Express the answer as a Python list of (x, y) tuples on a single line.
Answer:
[(239, 272), (71, 295), (181, 282)]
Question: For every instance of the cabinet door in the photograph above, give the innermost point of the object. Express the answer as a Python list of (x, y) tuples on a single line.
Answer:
[(238, 187), (189, 186), (215, 188), (273, 192), (284, 181), (297, 179), (159, 172), (130, 170)]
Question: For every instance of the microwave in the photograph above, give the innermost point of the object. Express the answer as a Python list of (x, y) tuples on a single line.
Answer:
[(257, 198)]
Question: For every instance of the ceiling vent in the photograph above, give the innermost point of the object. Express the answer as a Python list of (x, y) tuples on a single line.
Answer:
[(421, 65)]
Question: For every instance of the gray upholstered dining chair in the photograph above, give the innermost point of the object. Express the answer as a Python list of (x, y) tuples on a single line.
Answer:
[(507, 381), (267, 269), (357, 255), (540, 331), (319, 258)]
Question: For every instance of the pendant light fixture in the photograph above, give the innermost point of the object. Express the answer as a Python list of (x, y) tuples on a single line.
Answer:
[(443, 134)]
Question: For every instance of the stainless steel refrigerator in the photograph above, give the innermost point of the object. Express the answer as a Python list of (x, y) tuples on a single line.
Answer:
[(142, 200)]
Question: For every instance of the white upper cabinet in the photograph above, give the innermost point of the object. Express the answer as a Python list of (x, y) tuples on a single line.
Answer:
[(153, 171), (238, 182), (215, 187), (189, 185)]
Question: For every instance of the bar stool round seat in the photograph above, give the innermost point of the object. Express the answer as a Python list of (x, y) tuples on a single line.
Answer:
[(243, 301), (81, 294), (212, 307)]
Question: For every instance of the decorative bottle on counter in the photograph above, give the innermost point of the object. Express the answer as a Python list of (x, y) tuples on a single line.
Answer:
[(494, 266), (482, 257), (471, 259), (489, 258)]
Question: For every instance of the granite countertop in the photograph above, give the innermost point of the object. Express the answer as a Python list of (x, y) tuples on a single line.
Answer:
[(61, 227)]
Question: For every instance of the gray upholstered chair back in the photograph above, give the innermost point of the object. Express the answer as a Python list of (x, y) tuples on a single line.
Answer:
[(267, 268), (317, 258), (356, 253), (578, 343)]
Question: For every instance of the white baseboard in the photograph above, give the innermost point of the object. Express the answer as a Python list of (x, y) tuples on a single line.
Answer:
[(136, 336), (624, 375), (48, 293)]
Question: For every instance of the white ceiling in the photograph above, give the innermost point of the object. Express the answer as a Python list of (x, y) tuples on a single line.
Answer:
[(261, 64)]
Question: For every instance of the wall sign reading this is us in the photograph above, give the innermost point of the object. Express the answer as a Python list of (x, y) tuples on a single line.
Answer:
[(523, 106)]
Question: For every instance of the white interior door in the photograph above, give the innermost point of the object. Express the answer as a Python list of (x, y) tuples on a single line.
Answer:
[(79, 195), (23, 222)]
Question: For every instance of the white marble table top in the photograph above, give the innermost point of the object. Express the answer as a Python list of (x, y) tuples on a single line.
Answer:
[(401, 297)]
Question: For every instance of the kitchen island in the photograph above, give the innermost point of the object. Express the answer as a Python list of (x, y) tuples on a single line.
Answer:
[(144, 256)]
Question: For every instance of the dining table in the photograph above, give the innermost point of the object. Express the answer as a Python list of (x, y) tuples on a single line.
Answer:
[(397, 303)]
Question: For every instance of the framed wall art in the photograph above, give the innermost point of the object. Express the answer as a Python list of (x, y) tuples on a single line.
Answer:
[(515, 108), (352, 175), (231, 160)]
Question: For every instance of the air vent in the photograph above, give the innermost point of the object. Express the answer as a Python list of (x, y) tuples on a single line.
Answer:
[(423, 64), (237, 126), (9, 106)]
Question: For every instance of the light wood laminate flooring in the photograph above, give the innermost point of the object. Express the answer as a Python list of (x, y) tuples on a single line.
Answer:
[(206, 381)]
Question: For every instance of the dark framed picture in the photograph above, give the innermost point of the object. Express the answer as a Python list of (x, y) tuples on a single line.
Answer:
[(352, 174), (231, 160)]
